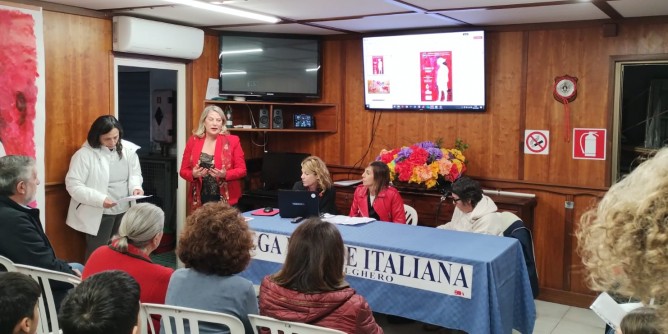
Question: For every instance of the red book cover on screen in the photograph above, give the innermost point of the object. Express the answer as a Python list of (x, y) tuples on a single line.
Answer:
[(435, 76)]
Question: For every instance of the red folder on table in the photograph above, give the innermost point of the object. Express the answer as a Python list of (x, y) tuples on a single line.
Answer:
[(260, 212)]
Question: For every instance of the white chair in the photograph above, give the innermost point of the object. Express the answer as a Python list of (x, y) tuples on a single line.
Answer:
[(7, 263), (46, 300), (175, 315), (411, 215), (276, 326)]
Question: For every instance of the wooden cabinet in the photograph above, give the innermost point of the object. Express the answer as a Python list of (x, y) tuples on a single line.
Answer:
[(433, 212), (256, 113)]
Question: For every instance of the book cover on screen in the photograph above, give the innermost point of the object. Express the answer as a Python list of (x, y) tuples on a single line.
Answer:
[(435, 76)]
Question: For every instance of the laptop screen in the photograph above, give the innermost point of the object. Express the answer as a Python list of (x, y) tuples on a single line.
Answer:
[(298, 203)]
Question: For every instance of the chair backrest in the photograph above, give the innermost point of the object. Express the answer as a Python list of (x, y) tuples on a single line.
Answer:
[(47, 302), (7, 263), (411, 215), (276, 326), (520, 232), (177, 317)]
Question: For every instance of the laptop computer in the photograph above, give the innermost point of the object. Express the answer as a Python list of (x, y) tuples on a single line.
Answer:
[(298, 203)]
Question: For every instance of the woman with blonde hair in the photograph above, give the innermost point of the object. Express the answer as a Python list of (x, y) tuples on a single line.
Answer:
[(315, 177), (623, 242), (138, 236), (213, 162)]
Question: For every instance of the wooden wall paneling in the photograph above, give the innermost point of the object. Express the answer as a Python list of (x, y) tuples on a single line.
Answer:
[(78, 81), (549, 238), (199, 71), (577, 278), (68, 244)]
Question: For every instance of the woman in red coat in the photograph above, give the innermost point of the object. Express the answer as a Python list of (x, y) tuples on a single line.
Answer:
[(213, 162), (310, 288), (375, 197)]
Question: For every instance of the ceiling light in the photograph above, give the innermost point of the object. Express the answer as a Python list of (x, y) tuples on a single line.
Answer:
[(233, 72), (225, 10), (239, 51), (312, 69)]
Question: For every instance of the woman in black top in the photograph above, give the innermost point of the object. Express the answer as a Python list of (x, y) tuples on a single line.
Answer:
[(315, 177)]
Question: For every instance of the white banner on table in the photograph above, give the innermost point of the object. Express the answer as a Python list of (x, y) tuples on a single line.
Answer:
[(412, 271)]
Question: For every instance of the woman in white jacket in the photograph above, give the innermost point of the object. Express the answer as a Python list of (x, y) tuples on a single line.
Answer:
[(474, 212), (104, 170)]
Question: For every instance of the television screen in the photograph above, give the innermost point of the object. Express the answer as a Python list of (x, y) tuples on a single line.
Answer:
[(435, 71), (269, 67)]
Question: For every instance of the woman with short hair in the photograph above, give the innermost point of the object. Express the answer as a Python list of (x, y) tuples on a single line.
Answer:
[(376, 198), (215, 246), (310, 287), (474, 211)]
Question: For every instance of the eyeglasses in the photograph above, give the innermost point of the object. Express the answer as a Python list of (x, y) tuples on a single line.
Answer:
[(454, 200)]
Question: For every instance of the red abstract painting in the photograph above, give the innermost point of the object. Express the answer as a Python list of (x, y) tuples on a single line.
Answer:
[(18, 89)]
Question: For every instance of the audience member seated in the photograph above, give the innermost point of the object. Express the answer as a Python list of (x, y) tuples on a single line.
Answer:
[(18, 304), (642, 320), (105, 303), (315, 177), (623, 242), (22, 238), (215, 246), (310, 287), (474, 211), (375, 197), (138, 235)]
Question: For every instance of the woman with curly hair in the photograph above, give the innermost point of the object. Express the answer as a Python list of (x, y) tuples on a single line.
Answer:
[(315, 177), (310, 287), (214, 246), (624, 240)]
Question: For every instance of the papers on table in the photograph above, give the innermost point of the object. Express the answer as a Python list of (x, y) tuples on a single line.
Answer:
[(347, 183), (345, 220), (132, 198), (611, 312)]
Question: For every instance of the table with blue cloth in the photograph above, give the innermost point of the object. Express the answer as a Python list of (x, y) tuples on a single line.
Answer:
[(472, 282)]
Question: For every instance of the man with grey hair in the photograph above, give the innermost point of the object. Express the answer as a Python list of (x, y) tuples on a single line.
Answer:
[(22, 238)]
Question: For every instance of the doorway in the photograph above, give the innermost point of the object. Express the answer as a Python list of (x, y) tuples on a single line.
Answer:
[(640, 125), (141, 84)]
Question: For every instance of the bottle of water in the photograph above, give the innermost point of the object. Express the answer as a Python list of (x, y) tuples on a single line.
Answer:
[(228, 122)]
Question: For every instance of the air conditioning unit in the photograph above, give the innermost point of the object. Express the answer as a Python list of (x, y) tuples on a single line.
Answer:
[(135, 35)]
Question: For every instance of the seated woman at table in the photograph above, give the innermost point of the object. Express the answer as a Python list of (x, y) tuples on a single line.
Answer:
[(310, 287), (315, 177), (215, 246), (474, 211), (138, 236), (375, 197)]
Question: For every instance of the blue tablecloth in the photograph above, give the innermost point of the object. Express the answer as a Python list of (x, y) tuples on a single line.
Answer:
[(499, 298)]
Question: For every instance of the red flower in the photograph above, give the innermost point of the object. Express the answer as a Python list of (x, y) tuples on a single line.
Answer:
[(404, 170), (419, 156)]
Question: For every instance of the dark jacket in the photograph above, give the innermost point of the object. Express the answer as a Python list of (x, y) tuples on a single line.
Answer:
[(343, 309), (388, 205), (22, 238), (326, 200)]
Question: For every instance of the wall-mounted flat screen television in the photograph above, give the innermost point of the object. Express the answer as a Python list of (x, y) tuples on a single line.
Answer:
[(270, 66), (431, 71)]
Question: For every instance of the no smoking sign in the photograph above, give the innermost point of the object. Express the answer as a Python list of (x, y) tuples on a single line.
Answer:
[(536, 142)]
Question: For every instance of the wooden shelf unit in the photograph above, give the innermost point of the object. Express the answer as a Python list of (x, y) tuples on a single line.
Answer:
[(325, 115)]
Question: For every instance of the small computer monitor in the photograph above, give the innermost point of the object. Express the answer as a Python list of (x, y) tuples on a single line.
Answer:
[(298, 203)]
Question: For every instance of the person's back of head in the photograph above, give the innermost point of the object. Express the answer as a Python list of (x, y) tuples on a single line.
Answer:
[(642, 320), (141, 227), (105, 303), (314, 262), (18, 303)]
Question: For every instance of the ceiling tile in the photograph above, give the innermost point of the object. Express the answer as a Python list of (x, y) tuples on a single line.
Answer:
[(560, 13), (636, 8), (392, 22)]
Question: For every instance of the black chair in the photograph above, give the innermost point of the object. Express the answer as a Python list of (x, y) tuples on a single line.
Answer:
[(520, 232)]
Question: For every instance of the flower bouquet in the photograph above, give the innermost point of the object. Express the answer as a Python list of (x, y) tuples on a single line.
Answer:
[(426, 163)]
